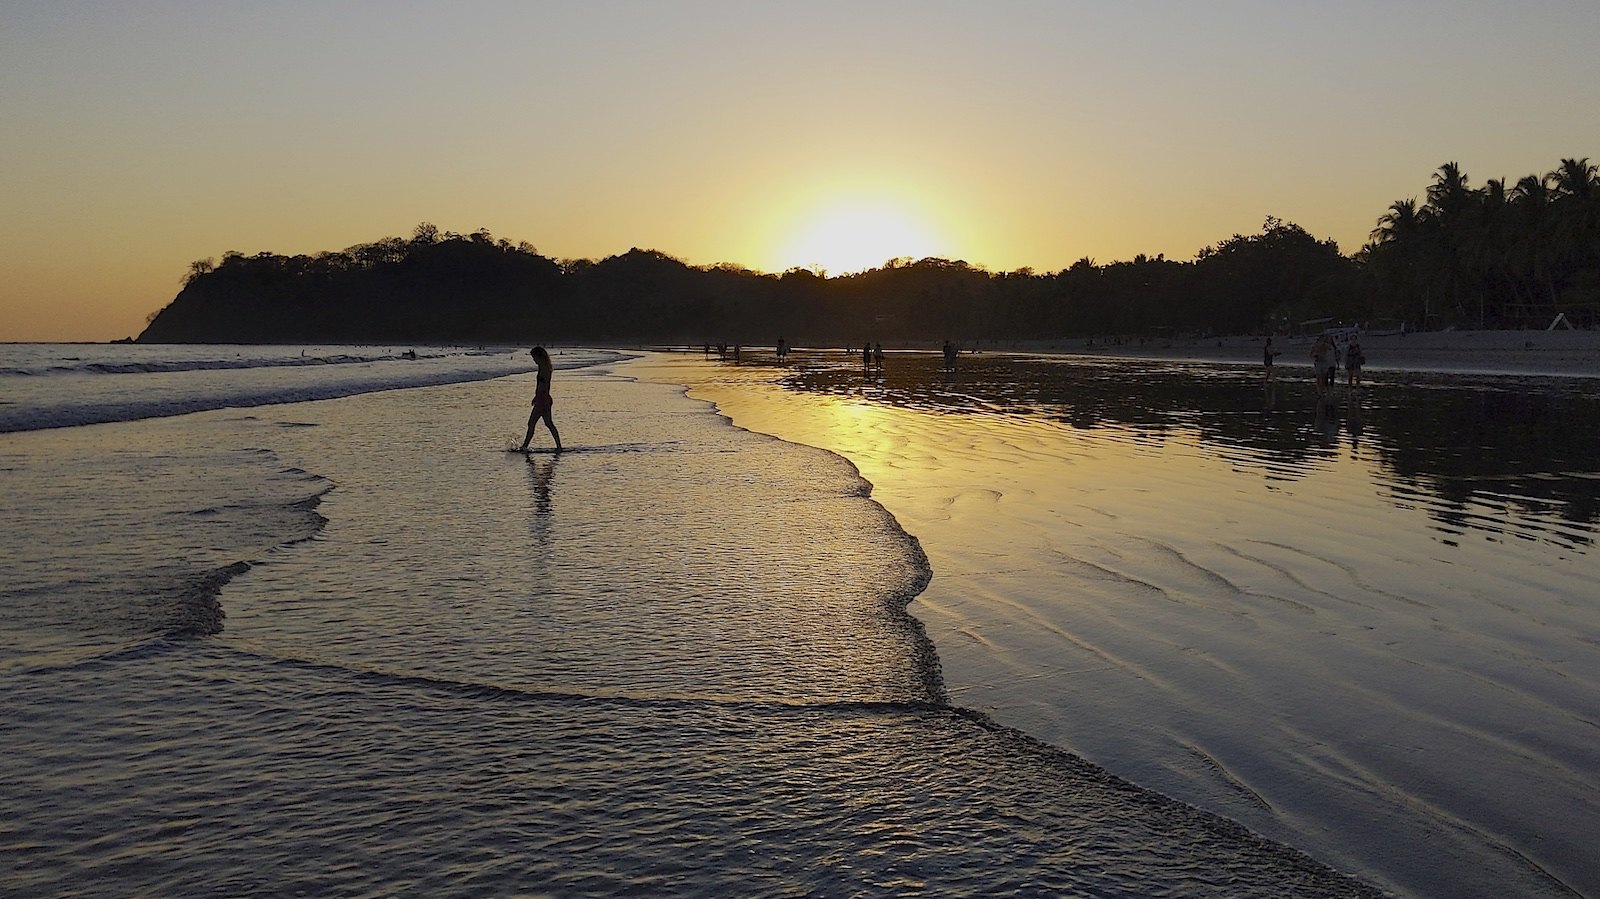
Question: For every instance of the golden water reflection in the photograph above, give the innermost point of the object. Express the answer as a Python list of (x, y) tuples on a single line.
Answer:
[(1514, 457)]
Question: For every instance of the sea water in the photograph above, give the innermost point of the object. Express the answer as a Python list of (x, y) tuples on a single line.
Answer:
[(274, 627), (1365, 625)]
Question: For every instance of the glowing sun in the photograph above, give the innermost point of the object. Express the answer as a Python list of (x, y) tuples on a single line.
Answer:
[(854, 236)]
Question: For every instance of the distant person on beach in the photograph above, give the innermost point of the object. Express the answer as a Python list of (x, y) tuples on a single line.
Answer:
[(877, 357), (541, 398), (866, 356), (1353, 360), (1268, 354), (950, 353), (1322, 363)]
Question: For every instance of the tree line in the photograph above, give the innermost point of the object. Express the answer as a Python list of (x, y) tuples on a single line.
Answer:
[(1487, 257), (1494, 256)]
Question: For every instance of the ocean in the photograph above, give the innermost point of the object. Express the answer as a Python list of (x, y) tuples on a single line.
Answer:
[(295, 621)]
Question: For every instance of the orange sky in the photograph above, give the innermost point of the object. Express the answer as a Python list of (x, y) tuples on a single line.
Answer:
[(139, 137)]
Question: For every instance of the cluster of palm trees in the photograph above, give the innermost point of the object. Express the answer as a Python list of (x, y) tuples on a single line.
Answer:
[(1493, 256)]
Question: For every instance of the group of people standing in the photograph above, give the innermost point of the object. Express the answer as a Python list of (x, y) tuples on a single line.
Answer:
[(1326, 358), (872, 357)]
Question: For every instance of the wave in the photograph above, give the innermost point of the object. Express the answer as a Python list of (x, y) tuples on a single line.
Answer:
[(20, 417), (91, 598), (111, 387), (269, 357)]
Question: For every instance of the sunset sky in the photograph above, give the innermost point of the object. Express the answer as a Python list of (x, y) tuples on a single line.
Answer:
[(136, 137)]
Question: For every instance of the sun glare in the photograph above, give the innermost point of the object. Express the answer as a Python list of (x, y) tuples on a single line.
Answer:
[(854, 236)]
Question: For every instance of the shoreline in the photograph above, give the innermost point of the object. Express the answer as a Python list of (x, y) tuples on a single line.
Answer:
[(1540, 353), (1560, 354)]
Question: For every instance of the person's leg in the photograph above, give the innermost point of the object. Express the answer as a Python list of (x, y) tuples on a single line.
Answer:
[(550, 423), (533, 420)]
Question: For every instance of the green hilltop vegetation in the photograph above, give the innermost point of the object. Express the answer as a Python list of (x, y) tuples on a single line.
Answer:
[(1497, 256)]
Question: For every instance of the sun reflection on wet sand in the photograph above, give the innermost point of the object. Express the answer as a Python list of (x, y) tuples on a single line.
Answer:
[(1357, 628)]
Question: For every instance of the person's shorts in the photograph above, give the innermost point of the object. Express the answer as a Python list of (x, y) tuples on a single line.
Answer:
[(541, 405)]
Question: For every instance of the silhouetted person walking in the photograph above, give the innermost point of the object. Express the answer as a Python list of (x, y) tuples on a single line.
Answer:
[(541, 398)]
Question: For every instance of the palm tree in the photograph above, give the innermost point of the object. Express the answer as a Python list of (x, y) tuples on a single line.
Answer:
[(1576, 178), (1530, 202), (1401, 222), (1450, 205), (1486, 250), (1575, 206), (1449, 196), (1402, 253)]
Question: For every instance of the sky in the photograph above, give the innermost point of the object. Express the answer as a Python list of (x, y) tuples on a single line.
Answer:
[(136, 137)]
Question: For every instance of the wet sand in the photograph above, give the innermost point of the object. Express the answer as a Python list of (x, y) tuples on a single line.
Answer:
[(1292, 614)]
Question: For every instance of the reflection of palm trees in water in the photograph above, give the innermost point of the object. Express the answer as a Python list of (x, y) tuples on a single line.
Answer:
[(541, 472)]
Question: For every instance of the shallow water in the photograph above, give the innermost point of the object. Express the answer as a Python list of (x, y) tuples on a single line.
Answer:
[(355, 647), (625, 565), (1367, 629), (68, 385)]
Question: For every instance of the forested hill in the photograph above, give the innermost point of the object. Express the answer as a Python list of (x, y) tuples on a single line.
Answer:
[(472, 288), (1486, 257)]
